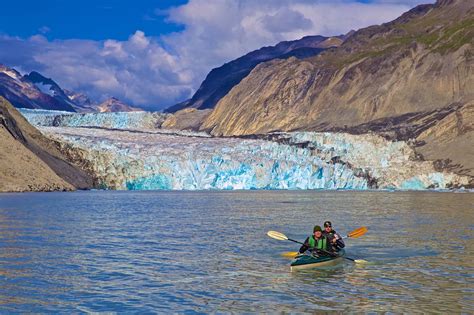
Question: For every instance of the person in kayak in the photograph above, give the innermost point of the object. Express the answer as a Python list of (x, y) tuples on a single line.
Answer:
[(333, 237), (316, 242)]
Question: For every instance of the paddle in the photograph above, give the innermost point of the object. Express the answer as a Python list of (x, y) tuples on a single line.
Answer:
[(356, 233)]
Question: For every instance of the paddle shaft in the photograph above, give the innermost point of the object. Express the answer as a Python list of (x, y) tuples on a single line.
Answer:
[(334, 255), (295, 241)]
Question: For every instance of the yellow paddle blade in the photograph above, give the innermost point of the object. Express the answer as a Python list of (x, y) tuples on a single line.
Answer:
[(361, 261), (289, 254), (277, 235), (358, 232)]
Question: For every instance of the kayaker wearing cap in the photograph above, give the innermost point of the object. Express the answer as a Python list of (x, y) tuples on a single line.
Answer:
[(333, 237), (315, 241)]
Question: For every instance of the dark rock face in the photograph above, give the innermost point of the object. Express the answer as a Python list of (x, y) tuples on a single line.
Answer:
[(221, 80), (24, 92), (54, 89), (403, 127)]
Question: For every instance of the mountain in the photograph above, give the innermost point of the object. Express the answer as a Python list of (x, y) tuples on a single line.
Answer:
[(39, 92), (411, 78), (49, 87), (31, 162), (115, 105), (32, 91), (221, 80), (78, 101), (82, 103)]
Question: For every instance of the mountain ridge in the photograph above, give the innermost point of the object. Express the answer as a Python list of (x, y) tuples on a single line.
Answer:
[(113, 104), (418, 63), (36, 91), (219, 81), (22, 92)]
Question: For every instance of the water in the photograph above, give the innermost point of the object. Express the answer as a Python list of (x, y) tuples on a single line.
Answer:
[(208, 251)]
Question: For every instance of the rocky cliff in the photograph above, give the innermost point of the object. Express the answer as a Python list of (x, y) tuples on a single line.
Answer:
[(222, 79), (31, 162), (382, 77)]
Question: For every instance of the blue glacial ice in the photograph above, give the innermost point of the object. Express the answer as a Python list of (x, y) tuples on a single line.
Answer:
[(129, 151), (119, 120), (156, 159)]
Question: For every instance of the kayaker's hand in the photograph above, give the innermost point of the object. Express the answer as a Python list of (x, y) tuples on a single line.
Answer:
[(334, 240)]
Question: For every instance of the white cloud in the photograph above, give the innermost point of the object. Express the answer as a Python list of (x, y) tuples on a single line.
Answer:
[(138, 70), (286, 20), (158, 72)]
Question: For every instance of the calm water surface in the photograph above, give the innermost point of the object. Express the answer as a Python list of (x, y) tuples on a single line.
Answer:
[(208, 251)]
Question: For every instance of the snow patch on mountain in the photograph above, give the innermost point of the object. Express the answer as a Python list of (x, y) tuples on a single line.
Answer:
[(46, 89), (12, 74)]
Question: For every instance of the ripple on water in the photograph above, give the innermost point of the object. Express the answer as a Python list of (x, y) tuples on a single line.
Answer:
[(207, 251)]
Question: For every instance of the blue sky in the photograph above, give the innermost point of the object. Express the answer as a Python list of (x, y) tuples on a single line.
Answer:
[(86, 19), (155, 53)]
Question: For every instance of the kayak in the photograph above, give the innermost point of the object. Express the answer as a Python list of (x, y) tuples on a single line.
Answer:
[(304, 261)]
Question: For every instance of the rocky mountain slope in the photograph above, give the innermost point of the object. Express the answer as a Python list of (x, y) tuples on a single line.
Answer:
[(411, 78), (115, 105), (31, 162), (49, 87), (31, 91), (222, 79), (36, 91), (82, 103)]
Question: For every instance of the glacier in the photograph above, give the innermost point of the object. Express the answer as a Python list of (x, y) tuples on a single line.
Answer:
[(145, 159), (154, 160), (128, 151), (117, 120)]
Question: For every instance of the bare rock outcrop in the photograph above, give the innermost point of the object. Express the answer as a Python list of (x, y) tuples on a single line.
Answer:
[(222, 79), (31, 162)]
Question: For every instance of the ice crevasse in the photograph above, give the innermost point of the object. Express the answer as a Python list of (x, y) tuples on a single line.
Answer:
[(153, 159)]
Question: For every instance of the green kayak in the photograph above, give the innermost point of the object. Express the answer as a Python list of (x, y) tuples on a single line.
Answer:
[(305, 261)]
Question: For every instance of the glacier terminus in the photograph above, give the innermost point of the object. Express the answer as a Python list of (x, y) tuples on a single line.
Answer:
[(129, 151)]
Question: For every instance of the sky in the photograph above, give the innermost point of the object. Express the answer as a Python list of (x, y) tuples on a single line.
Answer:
[(155, 53)]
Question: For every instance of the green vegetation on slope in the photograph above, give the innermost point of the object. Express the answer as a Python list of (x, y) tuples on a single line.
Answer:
[(436, 33)]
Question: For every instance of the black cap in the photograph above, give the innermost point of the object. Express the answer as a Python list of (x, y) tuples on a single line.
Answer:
[(317, 228), (327, 223)]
